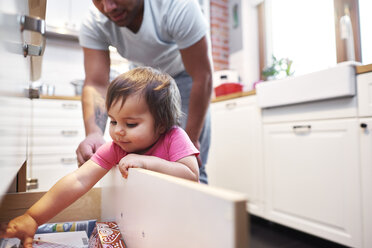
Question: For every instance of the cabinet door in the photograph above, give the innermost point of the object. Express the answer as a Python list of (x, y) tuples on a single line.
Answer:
[(234, 160), (364, 85), (312, 178), (366, 167), (58, 13), (14, 79)]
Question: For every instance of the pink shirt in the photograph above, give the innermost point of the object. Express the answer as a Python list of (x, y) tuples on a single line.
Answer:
[(171, 146)]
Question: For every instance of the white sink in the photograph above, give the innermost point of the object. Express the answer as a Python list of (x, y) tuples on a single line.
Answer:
[(335, 82)]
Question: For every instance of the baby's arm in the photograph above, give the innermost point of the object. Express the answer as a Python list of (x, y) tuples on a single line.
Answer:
[(186, 167), (61, 195)]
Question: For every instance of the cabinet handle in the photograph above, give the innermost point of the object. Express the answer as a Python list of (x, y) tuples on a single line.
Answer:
[(32, 183), (69, 105), (69, 132), (68, 160), (37, 25), (302, 128), (363, 125), (230, 105)]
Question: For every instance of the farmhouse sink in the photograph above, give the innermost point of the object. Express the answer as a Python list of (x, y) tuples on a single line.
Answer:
[(335, 82)]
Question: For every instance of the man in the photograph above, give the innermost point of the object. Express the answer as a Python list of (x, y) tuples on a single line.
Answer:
[(170, 35)]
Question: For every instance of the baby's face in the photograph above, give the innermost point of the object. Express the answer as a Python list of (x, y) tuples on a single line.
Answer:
[(132, 125)]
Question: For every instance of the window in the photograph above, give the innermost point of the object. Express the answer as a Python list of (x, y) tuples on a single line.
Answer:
[(314, 34)]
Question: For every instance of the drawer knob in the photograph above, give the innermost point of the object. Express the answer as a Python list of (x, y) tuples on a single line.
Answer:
[(363, 125)]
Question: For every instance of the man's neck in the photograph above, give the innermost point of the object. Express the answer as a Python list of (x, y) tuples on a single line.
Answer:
[(137, 22)]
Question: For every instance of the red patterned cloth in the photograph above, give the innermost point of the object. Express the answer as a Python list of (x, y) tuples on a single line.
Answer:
[(106, 235)]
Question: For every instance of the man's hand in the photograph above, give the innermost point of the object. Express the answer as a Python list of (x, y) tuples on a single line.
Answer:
[(88, 147), (22, 227), (131, 161)]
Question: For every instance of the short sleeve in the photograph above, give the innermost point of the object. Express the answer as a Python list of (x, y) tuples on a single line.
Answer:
[(91, 34), (180, 145), (108, 155)]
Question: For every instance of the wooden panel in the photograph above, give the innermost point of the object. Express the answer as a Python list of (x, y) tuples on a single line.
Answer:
[(21, 178), (37, 9), (157, 210), (87, 207)]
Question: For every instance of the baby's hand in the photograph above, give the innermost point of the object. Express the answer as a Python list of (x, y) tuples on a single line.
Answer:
[(131, 161), (22, 227)]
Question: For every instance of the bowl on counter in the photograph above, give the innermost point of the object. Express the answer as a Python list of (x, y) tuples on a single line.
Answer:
[(228, 88), (78, 85)]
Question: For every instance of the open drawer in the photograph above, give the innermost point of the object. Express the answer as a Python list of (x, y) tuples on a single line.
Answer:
[(154, 210)]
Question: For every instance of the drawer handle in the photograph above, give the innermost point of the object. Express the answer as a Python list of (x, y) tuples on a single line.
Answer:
[(69, 106), (37, 25), (69, 133), (32, 183), (302, 128), (230, 105), (68, 160)]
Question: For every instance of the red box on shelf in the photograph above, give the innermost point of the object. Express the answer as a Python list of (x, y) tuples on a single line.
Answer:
[(228, 88)]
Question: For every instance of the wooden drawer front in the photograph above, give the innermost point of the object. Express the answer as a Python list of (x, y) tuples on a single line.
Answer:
[(365, 94)]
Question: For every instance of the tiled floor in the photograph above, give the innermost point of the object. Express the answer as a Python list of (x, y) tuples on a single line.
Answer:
[(265, 234)]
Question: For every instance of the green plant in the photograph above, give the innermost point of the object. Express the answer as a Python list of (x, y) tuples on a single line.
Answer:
[(277, 66)]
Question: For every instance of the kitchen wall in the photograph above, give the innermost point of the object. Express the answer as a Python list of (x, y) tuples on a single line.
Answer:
[(246, 60), (63, 58), (234, 34), (62, 63)]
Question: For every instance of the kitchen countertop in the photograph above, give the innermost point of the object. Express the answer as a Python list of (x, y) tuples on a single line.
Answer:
[(233, 95), (76, 98), (363, 68)]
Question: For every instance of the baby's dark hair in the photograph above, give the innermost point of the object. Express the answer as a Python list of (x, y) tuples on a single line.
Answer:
[(158, 89)]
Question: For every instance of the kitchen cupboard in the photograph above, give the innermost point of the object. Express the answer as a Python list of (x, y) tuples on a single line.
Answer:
[(56, 130), (366, 172), (364, 88), (17, 44), (65, 17), (312, 177), (234, 160)]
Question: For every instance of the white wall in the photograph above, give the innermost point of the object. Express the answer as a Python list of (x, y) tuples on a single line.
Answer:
[(246, 61), (62, 63)]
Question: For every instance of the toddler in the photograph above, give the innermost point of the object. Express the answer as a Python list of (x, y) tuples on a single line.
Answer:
[(144, 109)]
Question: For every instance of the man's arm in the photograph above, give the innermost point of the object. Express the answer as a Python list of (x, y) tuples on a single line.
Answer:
[(97, 70), (197, 64)]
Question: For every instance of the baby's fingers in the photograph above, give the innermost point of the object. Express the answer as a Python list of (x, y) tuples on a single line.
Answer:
[(27, 243), (123, 170)]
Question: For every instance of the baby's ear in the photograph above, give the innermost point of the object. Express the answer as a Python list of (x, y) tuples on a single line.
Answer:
[(161, 129)]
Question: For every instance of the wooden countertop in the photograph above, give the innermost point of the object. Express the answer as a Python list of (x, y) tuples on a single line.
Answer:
[(233, 95), (76, 98), (363, 68)]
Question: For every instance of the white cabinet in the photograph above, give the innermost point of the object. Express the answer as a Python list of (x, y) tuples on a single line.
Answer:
[(365, 94), (366, 172), (66, 15), (56, 131), (365, 112), (16, 47), (234, 160), (312, 178)]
